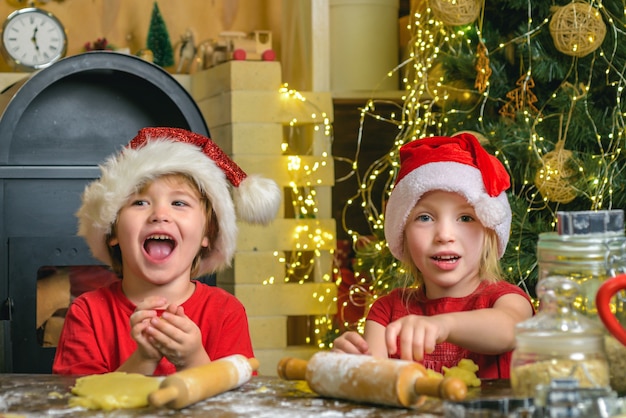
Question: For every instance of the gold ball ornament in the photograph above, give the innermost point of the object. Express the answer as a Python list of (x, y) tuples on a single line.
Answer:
[(553, 178), (577, 29), (456, 12)]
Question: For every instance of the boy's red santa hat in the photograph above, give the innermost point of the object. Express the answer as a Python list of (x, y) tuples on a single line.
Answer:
[(155, 152), (453, 164)]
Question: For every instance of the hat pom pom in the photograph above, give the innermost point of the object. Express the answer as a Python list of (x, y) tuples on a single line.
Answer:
[(490, 211), (257, 199)]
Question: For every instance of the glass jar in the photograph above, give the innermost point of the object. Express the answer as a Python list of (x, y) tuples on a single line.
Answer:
[(558, 343), (589, 247)]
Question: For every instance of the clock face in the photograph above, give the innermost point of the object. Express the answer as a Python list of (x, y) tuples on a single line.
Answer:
[(33, 39)]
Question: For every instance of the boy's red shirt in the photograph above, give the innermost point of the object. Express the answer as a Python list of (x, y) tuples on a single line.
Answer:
[(96, 333)]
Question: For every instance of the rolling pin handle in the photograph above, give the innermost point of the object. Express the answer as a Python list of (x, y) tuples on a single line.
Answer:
[(453, 389), (163, 396), (449, 388), (290, 368), (254, 363)]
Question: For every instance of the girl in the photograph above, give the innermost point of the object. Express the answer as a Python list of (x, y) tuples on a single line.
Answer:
[(448, 220)]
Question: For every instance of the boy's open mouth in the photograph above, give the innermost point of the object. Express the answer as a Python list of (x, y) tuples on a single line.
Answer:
[(159, 246)]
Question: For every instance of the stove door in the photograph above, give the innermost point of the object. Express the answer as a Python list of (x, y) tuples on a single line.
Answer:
[(45, 273)]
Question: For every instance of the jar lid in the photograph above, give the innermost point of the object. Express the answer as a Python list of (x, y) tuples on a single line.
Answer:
[(590, 222), (586, 243)]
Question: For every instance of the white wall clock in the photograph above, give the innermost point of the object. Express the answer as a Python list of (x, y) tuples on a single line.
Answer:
[(32, 39)]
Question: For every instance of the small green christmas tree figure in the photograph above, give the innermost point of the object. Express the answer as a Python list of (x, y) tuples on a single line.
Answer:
[(159, 39)]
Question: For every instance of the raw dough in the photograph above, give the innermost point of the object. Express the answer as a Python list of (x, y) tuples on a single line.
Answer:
[(113, 390), (465, 370)]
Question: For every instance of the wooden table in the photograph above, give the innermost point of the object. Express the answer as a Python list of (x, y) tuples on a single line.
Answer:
[(31, 395)]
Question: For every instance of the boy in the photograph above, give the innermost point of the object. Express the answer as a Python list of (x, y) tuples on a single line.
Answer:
[(160, 215)]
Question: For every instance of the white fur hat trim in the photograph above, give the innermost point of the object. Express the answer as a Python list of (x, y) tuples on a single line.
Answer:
[(493, 212), (123, 173)]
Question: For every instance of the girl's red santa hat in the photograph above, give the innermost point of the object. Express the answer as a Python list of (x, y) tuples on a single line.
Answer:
[(453, 164), (155, 152)]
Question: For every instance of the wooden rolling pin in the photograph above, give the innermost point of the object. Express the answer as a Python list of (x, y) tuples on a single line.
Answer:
[(362, 378), (189, 386)]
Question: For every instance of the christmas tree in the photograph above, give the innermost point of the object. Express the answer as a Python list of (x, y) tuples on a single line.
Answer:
[(159, 39), (541, 84)]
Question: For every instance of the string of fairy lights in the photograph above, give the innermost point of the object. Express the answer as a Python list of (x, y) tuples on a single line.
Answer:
[(429, 105), (427, 110), (309, 237), (425, 88)]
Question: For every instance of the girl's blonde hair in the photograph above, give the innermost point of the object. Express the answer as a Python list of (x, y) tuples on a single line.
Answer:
[(211, 228)]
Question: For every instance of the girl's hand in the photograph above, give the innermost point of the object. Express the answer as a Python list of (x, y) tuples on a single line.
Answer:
[(177, 338), (487, 330), (351, 342), (140, 321), (416, 335)]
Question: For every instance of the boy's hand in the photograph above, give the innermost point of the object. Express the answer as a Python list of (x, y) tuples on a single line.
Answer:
[(351, 342), (140, 321), (177, 338)]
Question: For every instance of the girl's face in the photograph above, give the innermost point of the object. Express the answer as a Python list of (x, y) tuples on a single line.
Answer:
[(445, 241), (160, 230)]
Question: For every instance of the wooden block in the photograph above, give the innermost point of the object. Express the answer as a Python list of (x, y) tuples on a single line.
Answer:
[(290, 299), (307, 170), (269, 358), (236, 75), (324, 267), (253, 267), (261, 267), (288, 235), (268, 332), (324, 202), (8, 79), (266, 106), (249, 138), (185, 81)]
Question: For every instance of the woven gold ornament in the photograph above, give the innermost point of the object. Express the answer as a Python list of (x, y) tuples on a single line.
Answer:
[(520, 98), (483, 68), (553, 178), (577, 29), (456, 12)]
